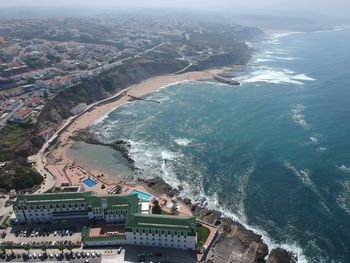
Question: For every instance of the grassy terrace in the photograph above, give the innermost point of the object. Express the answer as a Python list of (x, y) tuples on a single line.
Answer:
[(202, 234)]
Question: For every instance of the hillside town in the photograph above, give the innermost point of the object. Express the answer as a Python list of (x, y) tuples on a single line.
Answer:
[(54, 73)]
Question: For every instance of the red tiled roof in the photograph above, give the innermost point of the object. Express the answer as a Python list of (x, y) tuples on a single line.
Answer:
[(23, 112), (35, 100), (46, 131)]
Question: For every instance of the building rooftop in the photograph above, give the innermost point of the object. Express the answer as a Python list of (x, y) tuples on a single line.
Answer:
[(23, 112), (113, 202), (164, 222)]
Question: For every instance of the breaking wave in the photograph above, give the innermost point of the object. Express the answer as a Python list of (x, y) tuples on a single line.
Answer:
[(153, 160), (343, 168), (297, 113), (343, 199), (304, 176), (182, 141), (272, 76), (321, 149), (313, 139)]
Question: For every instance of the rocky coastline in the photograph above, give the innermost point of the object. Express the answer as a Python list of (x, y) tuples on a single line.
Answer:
[(235, 242)]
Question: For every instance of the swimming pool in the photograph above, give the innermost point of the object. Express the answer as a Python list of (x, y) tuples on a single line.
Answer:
[(141, 195), (89, 182)]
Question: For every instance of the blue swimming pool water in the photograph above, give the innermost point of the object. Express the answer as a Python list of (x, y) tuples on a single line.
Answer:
[(89, 182), (142, 195)]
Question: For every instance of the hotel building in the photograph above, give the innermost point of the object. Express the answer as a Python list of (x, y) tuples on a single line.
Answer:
[(118, 210)]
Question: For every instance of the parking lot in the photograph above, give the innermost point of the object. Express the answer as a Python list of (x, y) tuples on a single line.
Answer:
[(47, 236), (51, 256), (132, 254), (125, 254)]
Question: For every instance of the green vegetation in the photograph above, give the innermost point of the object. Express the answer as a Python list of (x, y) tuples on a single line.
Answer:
[(9, 203), (156, 208), (11, 137), (17, 173), (55, 146), (5, 222), (202, 234), (18, 176)]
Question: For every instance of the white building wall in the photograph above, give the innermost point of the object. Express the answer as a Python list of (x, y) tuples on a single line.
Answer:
[(161, 240)]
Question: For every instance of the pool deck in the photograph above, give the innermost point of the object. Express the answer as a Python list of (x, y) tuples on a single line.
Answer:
[(75, 175)]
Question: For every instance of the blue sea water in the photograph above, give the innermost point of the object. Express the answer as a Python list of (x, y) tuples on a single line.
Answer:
[(274, 153)]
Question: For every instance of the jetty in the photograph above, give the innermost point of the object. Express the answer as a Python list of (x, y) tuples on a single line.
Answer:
[(140, 98), (226, 80)]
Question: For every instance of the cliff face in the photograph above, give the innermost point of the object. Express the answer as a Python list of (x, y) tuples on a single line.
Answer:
[(119, 78), (240, 56), (101, 87)]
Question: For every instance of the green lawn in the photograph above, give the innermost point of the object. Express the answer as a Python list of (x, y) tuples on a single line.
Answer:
[(202, 233)]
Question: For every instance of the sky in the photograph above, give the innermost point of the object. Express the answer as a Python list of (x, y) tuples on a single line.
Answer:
[(331, 8)]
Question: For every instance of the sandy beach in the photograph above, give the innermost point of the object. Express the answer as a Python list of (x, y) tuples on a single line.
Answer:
[(138, 90)]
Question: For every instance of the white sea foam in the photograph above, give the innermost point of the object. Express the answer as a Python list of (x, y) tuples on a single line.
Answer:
[(343, 168), (268, 56), (321, 149), (304, 176), (297, 113), (313, 139), (262, 60), (182, 141), (275, 76), (174, 84), (154, 160), (343, 199)]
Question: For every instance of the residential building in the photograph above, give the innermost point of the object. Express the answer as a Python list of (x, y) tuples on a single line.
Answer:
[(47, 133), (78, 109), (34, 102), (12, 103), (22, 114)]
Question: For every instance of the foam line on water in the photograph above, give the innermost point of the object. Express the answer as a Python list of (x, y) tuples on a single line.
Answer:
[(157, 156)]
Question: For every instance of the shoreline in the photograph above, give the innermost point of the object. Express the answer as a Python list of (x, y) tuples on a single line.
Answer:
[(100, 111)]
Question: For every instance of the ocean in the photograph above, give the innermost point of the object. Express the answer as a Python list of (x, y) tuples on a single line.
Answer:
[(273, 153)]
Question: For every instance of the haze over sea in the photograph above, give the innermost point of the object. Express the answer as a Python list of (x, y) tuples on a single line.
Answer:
[(274, 153)]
